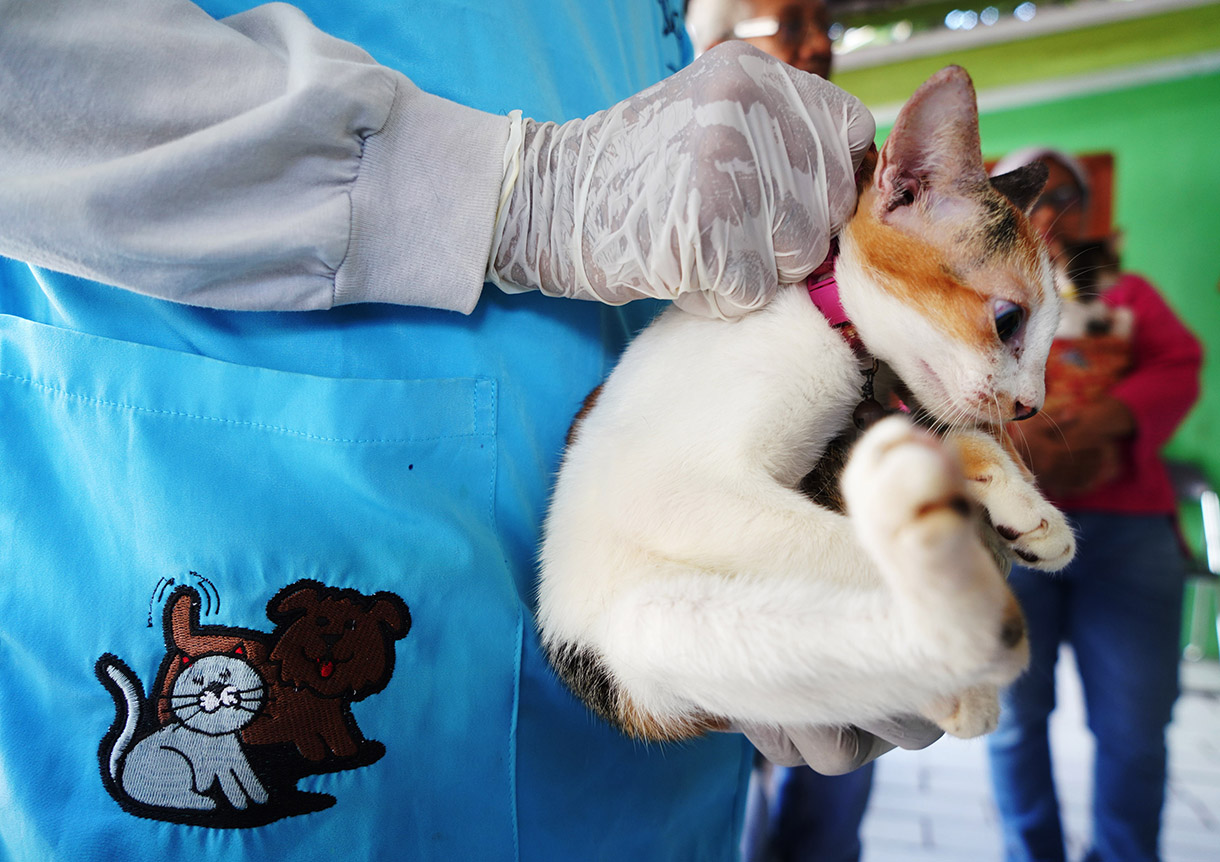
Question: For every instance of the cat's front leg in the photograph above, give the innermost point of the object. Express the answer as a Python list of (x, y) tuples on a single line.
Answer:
[(1035, 533), (906, 498)]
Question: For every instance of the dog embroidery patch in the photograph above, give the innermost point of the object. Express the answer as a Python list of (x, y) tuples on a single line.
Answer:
[(236, 717)]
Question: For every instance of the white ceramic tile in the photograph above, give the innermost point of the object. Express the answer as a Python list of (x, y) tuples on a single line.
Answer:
[(936, 804)]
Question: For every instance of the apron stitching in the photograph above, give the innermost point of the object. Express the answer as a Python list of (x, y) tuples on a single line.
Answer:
[(236, 422), (490, 394)]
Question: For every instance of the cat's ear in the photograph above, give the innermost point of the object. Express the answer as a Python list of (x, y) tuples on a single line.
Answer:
[(933, 150), (1023, 185)]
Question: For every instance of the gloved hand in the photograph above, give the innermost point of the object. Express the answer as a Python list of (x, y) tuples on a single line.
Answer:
[(709, 188), (836, 750)]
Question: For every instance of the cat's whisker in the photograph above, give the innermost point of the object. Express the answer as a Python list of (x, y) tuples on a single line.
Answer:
[(1057, 429), (1060, 214)]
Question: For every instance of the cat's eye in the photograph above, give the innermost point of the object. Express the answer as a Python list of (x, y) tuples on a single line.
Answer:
[(1008, 319)]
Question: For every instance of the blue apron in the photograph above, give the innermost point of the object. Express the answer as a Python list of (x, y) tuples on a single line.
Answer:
[(266, 579)]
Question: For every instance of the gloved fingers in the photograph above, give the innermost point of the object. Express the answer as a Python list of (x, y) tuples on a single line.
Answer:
[(825, 749), (772, 742), (809, 141), (729, 305), (910, 732), (724, 180), (837, 750), (859, 123)]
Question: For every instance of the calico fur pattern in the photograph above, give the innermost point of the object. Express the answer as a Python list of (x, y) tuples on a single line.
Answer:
[(695, 576)]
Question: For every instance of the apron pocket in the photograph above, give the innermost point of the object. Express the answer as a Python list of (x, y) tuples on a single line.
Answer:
[(247, 612)]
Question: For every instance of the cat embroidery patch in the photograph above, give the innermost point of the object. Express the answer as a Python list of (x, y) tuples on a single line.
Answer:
[(236, 717)]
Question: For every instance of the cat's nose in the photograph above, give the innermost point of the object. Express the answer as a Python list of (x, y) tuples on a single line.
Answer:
[(1023, 411)]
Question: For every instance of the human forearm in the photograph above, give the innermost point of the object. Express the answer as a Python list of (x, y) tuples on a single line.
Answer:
[(1163, 382)]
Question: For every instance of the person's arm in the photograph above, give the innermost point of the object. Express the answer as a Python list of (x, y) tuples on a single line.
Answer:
[(1164, 380), (253, 162), (258, 163)]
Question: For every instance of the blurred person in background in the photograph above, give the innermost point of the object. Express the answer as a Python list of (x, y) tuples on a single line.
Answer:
[(799, 814), (795, 31), (1122, 375)]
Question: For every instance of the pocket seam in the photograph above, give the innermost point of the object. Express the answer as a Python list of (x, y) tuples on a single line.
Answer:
[(240, 423)]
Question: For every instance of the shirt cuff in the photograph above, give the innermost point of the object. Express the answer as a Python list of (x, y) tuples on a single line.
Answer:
[(424, 205)]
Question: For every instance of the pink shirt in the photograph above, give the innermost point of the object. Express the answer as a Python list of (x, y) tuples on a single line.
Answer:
[(1159, 390)]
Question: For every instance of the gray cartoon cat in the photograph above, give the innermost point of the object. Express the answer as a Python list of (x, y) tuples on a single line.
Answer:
[(178, 765)]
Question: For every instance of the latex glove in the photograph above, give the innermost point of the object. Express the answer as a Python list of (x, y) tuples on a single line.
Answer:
[(836, 750), (709, 188)]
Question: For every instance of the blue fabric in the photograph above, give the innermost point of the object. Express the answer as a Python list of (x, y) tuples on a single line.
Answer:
[(230, 480), (819, 816), (1118, 605)]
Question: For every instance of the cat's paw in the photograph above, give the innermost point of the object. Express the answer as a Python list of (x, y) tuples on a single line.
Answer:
[(906, 497), (1035, 533), (970, 713), (1031, 531), (907, 500)]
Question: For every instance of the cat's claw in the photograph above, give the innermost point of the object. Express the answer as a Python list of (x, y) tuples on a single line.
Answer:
[(1035, 533), (1049, 545)]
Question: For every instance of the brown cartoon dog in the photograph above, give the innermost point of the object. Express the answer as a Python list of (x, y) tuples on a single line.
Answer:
[(232, 707), (331, 647)]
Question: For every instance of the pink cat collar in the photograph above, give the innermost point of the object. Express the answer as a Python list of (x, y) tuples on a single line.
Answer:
[(824, 290), (821, 284)]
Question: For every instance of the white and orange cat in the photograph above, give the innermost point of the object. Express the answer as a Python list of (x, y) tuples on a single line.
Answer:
[(689, 584)]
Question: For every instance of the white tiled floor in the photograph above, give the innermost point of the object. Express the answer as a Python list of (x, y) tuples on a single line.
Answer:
[(936, 804)]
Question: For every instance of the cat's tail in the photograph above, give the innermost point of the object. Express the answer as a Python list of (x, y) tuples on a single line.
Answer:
[(125, 688)]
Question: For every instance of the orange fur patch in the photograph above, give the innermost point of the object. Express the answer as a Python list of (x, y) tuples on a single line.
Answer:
[(642, 725), (920, 275)]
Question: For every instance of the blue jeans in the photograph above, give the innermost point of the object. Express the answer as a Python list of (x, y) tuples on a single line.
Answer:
[(818, 816), (1119, 606)]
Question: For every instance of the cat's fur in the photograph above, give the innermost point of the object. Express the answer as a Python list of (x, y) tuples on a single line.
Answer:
[(688, 584)]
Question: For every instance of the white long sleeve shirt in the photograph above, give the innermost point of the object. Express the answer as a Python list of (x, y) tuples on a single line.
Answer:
[(248, 163)]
